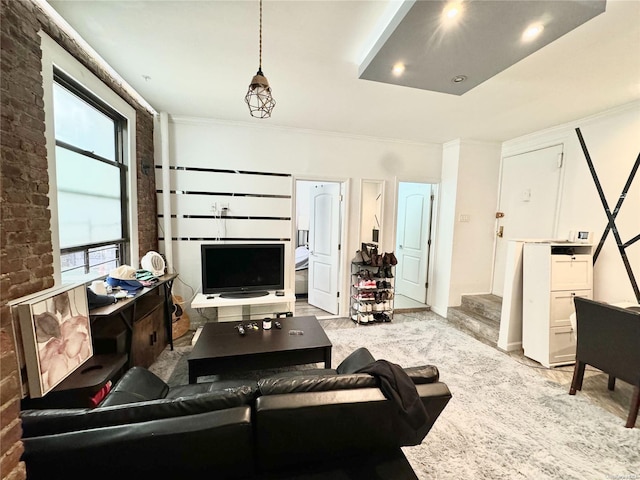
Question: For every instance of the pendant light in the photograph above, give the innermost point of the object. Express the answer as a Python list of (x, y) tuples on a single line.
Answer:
[(259, 97)]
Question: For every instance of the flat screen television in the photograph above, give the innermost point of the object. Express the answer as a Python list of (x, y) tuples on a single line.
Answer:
[(242, 270)]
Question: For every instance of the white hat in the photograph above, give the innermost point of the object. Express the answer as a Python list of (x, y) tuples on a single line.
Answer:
[(123, 272)]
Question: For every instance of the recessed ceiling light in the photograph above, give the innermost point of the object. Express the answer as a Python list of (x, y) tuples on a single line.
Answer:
[(398, 69), (459, 78), (532, 31), (452, 11)]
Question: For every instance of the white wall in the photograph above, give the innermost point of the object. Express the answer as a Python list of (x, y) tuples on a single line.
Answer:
[(613, 141), (468, 173), (306, 155), (474, 237), (464, 246), (445, 228)]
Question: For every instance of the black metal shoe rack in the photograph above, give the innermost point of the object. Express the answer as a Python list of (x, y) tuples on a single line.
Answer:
[(372, 293)]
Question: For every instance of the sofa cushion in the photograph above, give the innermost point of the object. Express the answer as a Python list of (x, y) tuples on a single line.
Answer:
[(324, 380), (52, 421), (245, 387), (314, 383)]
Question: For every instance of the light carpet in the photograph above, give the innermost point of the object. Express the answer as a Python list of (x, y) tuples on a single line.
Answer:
[(503, 422)]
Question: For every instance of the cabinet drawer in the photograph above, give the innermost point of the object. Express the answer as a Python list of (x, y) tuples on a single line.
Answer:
[(562, 345), (571, 272), (562, 306)]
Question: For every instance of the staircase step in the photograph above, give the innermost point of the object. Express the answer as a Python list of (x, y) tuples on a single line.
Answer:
[(486, 305), (479, 316)]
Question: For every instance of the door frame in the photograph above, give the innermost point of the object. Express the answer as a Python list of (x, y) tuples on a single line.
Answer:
[(343, 281), (435, 207)]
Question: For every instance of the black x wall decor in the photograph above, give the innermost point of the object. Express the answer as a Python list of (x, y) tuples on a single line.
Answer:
[(611, 216)]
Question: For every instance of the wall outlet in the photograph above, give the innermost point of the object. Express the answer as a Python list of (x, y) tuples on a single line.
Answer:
[(464, 218)]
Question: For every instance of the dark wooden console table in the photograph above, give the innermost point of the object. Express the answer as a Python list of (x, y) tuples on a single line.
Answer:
[(143, 322)]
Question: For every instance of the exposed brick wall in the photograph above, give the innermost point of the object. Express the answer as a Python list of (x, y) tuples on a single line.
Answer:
[(147, 197), (26, 262), (26, 257)]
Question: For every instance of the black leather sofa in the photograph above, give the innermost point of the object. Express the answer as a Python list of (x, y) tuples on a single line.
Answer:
[(311, 424)]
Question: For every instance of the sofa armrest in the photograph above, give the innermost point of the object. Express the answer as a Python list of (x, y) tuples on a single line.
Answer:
[(136, 385), (356, 360), (297, 428)]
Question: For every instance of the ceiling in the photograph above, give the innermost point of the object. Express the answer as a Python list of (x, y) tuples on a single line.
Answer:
[(197, 58), (451, 46)]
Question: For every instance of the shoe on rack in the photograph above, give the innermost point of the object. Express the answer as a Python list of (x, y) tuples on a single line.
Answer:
[(358, 258), (366, 256), (392, 259)]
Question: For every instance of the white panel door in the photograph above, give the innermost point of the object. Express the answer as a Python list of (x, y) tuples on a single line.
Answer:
[(412, 240), (324, 242), (529, 200)]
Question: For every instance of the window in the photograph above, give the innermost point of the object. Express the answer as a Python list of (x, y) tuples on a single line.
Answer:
[(91, 182)]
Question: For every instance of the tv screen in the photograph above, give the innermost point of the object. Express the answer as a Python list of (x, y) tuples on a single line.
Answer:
[(242, 270)]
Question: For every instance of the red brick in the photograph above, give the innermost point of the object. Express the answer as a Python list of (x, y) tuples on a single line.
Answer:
[(11, 435), (11, 460)]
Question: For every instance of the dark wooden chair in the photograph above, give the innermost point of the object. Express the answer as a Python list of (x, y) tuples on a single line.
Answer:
[(609, 340)]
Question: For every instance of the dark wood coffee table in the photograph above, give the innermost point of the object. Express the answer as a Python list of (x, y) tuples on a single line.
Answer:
[(220, 348)]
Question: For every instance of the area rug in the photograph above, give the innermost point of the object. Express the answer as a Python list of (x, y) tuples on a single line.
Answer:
[(503, 422)]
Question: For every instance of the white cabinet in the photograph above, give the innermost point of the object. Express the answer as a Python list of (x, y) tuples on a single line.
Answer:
[(553, 275), (249, 308)]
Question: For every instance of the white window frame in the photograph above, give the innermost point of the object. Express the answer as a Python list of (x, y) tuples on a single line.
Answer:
[(54, 55)]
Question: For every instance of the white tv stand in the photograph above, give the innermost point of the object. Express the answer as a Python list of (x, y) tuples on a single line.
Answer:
[(251, 308)]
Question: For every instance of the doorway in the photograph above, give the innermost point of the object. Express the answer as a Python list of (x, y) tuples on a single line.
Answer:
[(413, 243), (319, 226)]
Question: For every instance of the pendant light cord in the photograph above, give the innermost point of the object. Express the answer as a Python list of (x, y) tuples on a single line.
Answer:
[(260, 61)]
